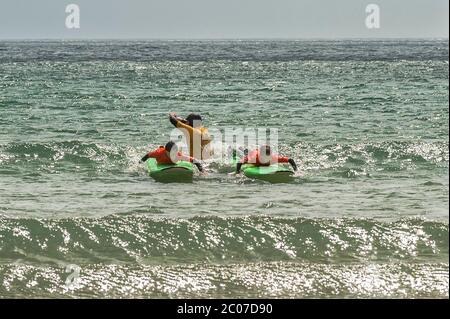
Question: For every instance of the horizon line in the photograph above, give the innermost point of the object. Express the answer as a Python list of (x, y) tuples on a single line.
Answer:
[(224, 39)]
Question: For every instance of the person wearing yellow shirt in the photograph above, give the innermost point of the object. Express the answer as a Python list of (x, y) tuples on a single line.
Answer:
[(196, 135)]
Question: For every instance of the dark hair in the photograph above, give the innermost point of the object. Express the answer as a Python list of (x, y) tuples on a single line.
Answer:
[(266, 149), (169, 146), (193, 117)]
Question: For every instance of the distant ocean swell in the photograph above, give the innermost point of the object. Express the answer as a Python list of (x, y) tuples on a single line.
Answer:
[(356, 50)]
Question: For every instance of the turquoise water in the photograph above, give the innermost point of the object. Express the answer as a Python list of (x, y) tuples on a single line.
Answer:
[(366, 216)]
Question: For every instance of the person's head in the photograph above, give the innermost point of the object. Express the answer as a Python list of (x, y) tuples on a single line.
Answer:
[(265, 149), (265, 153), (194, 120), (171, 147)]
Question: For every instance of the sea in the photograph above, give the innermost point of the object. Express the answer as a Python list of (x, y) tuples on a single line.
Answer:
[(366, 216)]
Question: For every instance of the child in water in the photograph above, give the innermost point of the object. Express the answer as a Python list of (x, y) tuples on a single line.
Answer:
[(195, 133), (169, 154), (264, 157)]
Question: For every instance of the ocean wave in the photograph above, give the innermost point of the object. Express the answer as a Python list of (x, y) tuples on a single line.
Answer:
[(250, 280), (148, 240), (76, 156), (345, 160), (365, 158)]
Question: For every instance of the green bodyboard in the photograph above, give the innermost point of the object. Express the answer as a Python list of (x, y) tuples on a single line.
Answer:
[(272, 173), (180, 172)]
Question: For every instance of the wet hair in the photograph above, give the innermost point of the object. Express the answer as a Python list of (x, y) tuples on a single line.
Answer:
[(170, 145), (265, 149), (193, 117)]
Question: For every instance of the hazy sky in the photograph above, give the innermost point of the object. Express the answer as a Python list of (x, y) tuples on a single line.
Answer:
[(179, 19)]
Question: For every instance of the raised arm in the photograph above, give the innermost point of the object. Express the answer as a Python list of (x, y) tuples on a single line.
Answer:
[(182, 125), (173, 119), (176, 121)]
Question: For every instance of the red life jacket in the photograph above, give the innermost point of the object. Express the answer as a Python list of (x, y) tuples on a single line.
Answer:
[(162, 157), (254, 158)]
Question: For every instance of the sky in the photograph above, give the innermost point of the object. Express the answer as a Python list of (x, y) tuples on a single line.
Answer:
[(223, 19)]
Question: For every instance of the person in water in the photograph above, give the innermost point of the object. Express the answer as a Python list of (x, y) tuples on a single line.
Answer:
[(169, 154), (196, 135), (264, 157)]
